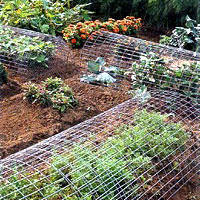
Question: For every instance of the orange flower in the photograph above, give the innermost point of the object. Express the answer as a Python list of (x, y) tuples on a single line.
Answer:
[(116, 30), (82, 30), (124, 29), (136, 27), (83, 36), (73, 41), (91, 37)]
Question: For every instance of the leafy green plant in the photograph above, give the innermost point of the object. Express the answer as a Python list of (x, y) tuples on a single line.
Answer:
[(3, 75), (46, 16), (188, 37), (153, 71), (51, 92), (24, 49), (88, 172)]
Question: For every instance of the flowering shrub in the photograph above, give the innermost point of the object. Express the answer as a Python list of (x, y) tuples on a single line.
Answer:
[(51, 92), (3, 75), (77, 34)]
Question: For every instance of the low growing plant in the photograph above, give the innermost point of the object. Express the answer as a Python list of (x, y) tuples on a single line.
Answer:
[(3, 75), (24, 49), (110, 170), (51, 92), (76, 35), (153, 71)]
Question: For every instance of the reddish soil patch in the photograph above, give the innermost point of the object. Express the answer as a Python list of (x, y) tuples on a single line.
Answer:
[(23, 124)]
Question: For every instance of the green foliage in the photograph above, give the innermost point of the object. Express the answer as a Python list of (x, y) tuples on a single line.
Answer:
[(46, 16), (153, 71), (188, 37), (51, 92), (156, 13), (86, 172), (3, 75), (24, 48)]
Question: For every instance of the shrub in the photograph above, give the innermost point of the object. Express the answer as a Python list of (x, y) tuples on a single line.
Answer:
[(108, 171), (51, 92), (76, 35), (46, 16), (187, 38), (3, 75), (24, 49)]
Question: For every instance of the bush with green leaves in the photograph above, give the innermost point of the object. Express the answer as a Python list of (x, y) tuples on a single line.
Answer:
[(111, 170), (24, 49), (3, 75), (155, 13), (187, 37), (46, 16), (51, 92), (153, 71)]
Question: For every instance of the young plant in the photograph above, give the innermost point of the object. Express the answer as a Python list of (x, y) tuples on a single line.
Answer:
[(51, 92)]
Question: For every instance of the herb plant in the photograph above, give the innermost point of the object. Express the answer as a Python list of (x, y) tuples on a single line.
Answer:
[(51, 92), (23, 49), (110, 170), (3, 75)]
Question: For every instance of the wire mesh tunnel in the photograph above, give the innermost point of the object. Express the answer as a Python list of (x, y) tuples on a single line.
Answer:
[(145, 148), (23, 50)]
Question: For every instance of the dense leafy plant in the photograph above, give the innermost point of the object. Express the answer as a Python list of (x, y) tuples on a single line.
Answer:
[(156, 13), (24, 49), (76, 35), (3, 75), (110, 170), (188, 37), (154, 71), (46, 16), (51, 92)]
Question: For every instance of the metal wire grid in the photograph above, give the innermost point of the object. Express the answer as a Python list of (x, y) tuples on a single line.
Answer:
[(12, 63), (172, 171), (121, 50)]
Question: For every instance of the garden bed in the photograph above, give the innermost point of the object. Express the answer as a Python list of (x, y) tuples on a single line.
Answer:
[(23, 124)]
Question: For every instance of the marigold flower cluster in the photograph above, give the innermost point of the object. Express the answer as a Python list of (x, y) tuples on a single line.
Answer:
[(76, 35)]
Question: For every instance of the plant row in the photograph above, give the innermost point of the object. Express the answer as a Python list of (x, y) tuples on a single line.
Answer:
[(31, 51), (77, 34), (113, 170)]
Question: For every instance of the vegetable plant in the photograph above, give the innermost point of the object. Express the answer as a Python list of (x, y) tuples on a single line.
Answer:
[(24, 49), (51, 92), (153, 71), (111, 170), (46, 16), (3, 75), (187, 37)]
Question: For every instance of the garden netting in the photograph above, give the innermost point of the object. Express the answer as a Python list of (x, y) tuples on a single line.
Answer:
[(145, 148)]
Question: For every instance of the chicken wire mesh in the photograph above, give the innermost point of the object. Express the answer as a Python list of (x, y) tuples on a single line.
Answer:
[(133, 151), (22, 50), (145, 148)]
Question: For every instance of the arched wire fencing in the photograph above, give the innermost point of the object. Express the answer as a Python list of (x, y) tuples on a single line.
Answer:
[(22, 50), (145, 148)]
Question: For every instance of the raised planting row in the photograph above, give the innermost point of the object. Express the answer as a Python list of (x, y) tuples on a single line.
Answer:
[(124, 166), (3, 75), (24, 50)]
